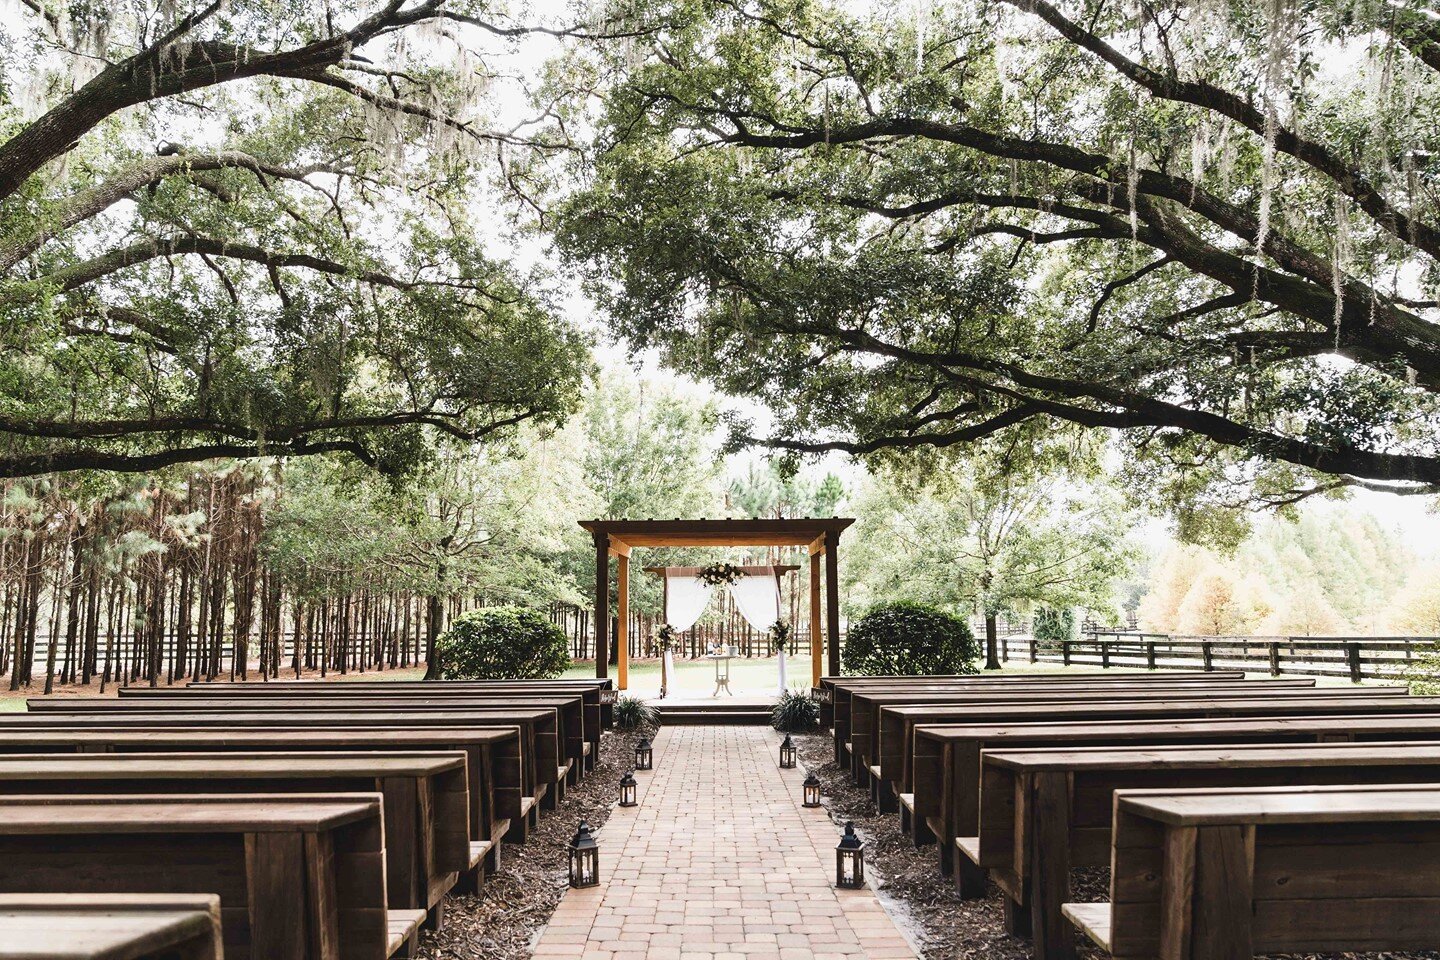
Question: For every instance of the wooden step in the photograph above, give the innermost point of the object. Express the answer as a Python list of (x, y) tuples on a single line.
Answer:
[(753, 716)]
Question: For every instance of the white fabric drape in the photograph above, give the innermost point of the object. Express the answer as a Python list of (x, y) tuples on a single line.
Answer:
[(685, 599), (758, 600), (780, 692)]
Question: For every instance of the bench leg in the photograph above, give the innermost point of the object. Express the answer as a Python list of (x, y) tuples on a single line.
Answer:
[(435, 917), (885, 798), (491, 863), (1017, 918), (1206, 892), (969, 879), (947, 859), (920, 831), (283, 926), (1048, 821)]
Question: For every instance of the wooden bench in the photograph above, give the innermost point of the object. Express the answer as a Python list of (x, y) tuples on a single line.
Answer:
[(71, 926), (1045, 812), (838, 691), (595, 694), (426, 800), (299, 878), (1226, 874), (867, 731), (498, 803), (947, 771), (894, 737), (569, 712), (539, 744)]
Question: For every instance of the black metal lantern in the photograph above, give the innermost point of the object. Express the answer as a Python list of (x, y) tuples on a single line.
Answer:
[(812, 791), (627, 790), (850, 860), (787, 753), (584, 858), (644, 754)]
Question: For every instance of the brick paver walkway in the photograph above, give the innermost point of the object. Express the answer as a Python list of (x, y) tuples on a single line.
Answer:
[(719, 862)]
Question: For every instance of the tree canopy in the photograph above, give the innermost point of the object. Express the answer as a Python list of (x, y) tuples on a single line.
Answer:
[(1209, 227), (247, 228)]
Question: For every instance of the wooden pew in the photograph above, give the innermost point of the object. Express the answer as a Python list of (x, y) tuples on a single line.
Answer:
[(499, 807), (299, 878), (539, 744), (947, 771), (838, 691), (569, 712), (595, 695), (72, 926), (1225, 874), (866, 706), (899, 723), (426, 801), (1044, 812), (889, 743)]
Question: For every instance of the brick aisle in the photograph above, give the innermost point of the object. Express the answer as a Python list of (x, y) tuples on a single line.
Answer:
[(719, 862)]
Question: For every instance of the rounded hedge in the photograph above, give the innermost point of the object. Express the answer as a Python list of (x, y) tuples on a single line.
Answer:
[(909, 639), (502, 643)]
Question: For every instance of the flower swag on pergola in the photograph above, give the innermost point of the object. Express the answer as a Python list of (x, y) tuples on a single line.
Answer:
[(618, 538)]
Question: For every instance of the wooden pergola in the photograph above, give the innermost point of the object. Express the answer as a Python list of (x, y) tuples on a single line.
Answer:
[(618, 537)]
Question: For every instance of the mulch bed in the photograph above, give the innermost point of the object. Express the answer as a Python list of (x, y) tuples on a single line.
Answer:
[(503, 919), (925, 904)]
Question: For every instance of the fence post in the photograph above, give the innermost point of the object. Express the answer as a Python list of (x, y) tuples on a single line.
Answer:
[(1034, 655), (1207, 656), (1104, 654), (1274, 659), (1005, 648), (1352, 653), (1065, 652), (1150, 654)]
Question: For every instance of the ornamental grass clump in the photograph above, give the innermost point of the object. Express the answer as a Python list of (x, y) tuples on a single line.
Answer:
[(794, 712), (632, 713)]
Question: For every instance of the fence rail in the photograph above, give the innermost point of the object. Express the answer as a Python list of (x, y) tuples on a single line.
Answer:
[(1352, 658)]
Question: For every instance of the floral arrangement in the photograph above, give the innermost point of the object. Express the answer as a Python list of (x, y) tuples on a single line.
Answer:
[(719, 573), (780, 634), (665, 639)]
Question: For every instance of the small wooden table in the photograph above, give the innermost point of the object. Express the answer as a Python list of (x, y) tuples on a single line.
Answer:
[(95, 926), (722, 673)]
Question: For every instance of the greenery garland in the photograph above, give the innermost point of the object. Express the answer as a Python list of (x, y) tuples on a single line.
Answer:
[(719, 573)]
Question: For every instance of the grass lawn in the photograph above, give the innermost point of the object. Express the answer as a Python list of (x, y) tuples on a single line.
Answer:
[(696, 678)]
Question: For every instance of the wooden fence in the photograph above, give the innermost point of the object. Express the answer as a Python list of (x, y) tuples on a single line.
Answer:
[(1352, 658)]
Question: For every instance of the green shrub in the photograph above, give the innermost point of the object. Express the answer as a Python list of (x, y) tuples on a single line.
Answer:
[(794, 712), (909, 639), (1054, 625), (502, 643), (632, 713)]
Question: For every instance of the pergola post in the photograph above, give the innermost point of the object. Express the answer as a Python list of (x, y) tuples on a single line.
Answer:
[(817, 639), (832, 599), (602, 604), (622, 610)]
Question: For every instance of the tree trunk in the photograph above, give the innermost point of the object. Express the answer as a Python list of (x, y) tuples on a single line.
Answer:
[(992, 642)]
